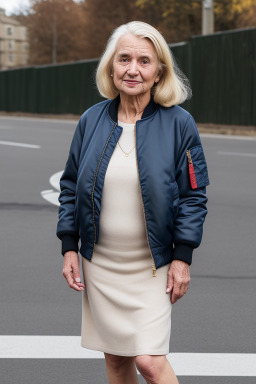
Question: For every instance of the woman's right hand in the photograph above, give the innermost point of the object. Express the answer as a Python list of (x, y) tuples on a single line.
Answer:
[(71, 270)]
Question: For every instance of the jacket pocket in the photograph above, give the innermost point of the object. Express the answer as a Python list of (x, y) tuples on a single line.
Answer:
[(198, 172)]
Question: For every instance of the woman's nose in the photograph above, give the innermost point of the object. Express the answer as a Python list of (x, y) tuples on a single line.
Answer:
[(132, 70)]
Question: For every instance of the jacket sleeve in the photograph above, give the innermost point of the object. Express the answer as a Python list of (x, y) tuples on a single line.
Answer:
[(67, 231), (192, 179)]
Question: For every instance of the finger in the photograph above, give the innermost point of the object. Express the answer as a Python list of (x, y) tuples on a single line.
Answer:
[(175, 293), (179, 292), (77, 279), (80, 285), (174, 297), (76, 275), (71, 283), (169, 282), (185, 285)]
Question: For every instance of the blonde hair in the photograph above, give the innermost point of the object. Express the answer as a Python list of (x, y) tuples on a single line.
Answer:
[(173, 86)]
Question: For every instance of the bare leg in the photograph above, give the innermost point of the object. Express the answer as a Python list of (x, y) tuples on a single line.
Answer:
[(156, 369), (121, 369)]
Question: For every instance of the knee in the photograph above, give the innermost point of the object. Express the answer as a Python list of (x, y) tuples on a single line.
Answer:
[(150, 366), (116, 362)]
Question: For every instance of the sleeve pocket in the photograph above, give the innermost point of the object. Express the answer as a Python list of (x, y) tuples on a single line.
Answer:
[(198, 172)]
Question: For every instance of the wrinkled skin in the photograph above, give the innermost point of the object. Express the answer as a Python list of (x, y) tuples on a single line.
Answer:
[(71, 270), (178, 280)]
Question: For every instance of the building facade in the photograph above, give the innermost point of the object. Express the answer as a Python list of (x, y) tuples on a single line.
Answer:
[(13, 43)]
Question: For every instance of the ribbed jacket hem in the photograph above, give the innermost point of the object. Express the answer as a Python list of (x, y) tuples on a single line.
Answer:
[(183, 252), (69, 243)]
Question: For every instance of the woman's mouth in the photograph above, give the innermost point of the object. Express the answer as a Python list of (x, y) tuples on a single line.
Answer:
[(132, 82)]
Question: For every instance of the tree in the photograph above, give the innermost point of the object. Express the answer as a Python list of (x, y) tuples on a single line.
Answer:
[(247, 18), (174, 21), (56, 31), (102, 17), (62, 30), (232, 14), (177, 20)]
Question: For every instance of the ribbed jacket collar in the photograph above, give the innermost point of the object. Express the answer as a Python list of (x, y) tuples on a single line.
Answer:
[(113, 108)]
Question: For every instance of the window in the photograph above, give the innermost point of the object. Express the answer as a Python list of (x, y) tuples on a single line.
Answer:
[(11, 58), (9, 31), (11, 44)]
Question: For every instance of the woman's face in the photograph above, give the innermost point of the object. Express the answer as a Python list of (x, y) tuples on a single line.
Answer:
[(135, 65)]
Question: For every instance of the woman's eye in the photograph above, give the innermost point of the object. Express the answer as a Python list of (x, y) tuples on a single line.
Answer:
[(124, 60), (144, 61)]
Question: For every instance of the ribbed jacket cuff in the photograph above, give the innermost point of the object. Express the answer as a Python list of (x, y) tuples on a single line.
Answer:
[(69, 243), (183, 252)]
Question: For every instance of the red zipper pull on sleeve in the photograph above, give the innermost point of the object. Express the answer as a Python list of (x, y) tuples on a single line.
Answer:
[(191, 169)]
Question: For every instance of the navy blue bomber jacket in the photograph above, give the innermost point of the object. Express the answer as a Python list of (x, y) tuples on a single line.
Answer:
[(172, 176)]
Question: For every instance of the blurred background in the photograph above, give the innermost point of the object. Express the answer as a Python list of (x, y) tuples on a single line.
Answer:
[(58, 31), (53, 47), (49, 50)]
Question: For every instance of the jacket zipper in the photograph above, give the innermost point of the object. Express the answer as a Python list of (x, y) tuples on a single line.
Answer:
[(94, 182), (153, 261)]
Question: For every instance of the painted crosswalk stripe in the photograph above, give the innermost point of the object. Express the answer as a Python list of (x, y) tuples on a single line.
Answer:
[(69, 347)]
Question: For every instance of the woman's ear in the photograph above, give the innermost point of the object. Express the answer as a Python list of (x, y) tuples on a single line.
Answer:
[(159, 75)]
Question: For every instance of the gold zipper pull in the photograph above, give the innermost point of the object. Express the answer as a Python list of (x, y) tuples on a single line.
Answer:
[(154, 270), (189, 156)]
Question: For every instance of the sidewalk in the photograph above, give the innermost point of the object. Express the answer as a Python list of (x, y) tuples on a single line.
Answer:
[(241, 130)]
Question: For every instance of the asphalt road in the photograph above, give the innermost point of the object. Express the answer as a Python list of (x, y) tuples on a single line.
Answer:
[(217, 315)]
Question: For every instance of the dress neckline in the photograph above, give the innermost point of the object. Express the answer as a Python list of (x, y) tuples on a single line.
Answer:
[(126, 126)]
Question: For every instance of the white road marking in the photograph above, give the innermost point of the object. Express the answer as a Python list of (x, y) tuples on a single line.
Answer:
[(232, 137), (69, 347), (55, 180), (19, 144), (44, 347), (237, 154), (41, 119), (51, 195)]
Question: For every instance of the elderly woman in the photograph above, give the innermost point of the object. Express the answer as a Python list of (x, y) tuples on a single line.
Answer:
[(134, 192)]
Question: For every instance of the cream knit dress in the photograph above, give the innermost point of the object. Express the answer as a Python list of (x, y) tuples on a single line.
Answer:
[(125, 310)]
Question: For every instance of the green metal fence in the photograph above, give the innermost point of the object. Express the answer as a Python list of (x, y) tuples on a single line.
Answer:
[(57, 89), (223, 77), (221, 69)]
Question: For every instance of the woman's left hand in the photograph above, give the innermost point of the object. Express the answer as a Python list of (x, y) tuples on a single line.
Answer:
[(178, 279)]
